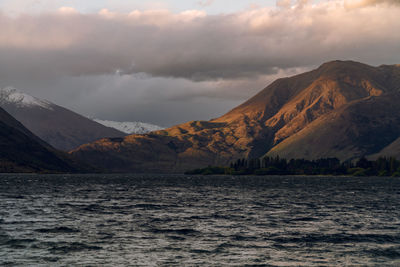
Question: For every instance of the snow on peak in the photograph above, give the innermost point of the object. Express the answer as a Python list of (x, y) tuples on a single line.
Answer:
[(10, 95), (130, 127)]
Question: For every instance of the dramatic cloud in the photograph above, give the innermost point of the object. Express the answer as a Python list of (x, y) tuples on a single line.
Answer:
[(195, 46), (187, 58)]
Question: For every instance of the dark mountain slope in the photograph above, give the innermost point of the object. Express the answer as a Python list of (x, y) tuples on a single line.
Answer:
[(21, 151), (60, 127)]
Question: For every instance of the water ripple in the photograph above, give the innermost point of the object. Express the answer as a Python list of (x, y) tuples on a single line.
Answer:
[(152, 220)]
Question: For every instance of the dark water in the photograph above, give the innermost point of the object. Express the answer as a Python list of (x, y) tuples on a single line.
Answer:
[(121, 220)]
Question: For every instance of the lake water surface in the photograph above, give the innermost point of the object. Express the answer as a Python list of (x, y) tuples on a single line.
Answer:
[(153, 220)]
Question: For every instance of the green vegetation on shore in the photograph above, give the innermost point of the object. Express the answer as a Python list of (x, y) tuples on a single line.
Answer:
[(383, 166)]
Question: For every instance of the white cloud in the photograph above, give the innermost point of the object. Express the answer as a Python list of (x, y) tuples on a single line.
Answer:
[(284, 3), (68, 10)]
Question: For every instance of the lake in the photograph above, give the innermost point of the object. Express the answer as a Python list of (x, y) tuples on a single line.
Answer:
[(153, 220)]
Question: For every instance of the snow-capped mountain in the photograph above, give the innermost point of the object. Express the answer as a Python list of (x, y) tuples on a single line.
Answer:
[(58, 126), (130, 127), (10, 95)]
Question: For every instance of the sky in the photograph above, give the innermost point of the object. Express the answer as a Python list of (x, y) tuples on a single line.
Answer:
[(168, 62), (94, 6)]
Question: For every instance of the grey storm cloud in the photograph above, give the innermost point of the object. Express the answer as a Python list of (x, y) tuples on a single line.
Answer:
[(193, 45), (161, 67)]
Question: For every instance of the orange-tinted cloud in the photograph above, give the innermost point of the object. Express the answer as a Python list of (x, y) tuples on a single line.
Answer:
[(196, 46)]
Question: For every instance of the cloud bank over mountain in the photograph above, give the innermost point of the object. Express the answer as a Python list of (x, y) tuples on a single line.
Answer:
[(192, 53)]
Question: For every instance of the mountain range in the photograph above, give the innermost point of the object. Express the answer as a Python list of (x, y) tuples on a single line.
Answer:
[(128, 127), (61, 128), (342, 109)]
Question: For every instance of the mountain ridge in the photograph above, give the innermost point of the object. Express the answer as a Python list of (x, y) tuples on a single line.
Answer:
[(58, 126), (129, 127), (333, 95)]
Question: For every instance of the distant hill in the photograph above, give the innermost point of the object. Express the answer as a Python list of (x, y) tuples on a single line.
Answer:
[(342, 109), (58, 126), (21, 151), (130, 127)]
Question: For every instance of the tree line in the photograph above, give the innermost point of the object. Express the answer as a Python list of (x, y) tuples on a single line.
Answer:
[(383, 166)]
